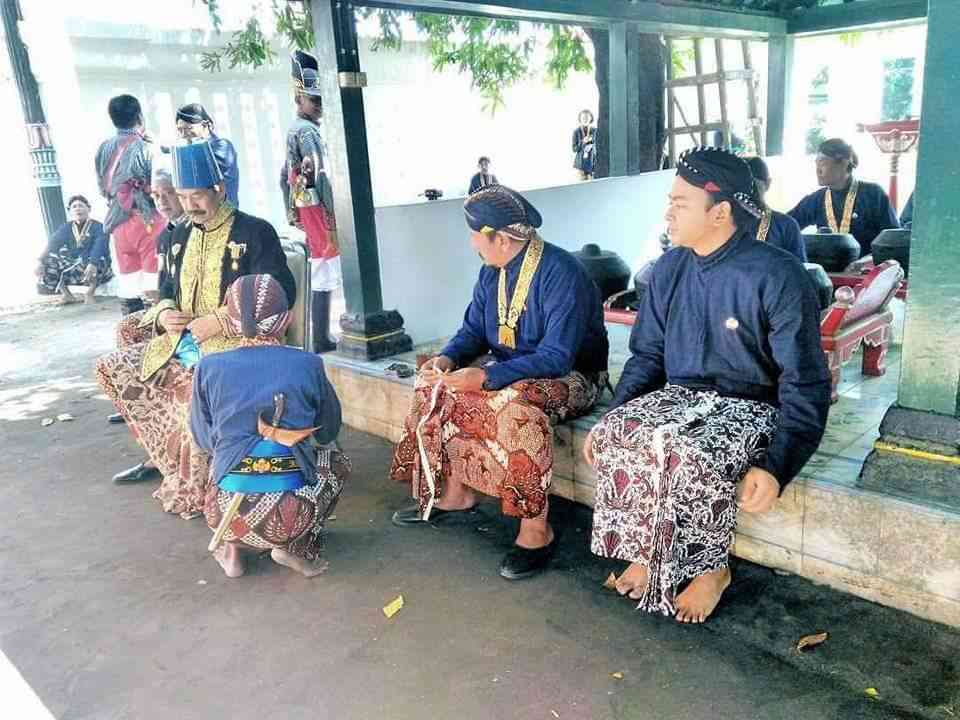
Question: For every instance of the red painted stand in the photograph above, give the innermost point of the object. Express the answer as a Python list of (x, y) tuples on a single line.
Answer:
[(857, 272)]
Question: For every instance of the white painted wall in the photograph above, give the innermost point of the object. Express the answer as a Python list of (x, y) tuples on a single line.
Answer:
[(428, 269)]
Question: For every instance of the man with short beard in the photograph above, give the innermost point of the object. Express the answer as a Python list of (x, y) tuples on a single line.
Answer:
[(150, 383)]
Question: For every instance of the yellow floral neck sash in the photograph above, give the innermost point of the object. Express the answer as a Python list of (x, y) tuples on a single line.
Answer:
[(848, 204), (507, 319)]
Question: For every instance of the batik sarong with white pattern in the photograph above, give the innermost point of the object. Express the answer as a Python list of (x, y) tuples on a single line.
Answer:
[(668, 464)]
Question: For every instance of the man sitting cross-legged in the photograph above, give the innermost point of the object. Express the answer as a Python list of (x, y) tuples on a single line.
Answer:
[(726, 384), (532, 351)]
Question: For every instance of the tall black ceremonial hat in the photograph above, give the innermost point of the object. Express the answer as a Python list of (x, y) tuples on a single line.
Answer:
[(305, 72)]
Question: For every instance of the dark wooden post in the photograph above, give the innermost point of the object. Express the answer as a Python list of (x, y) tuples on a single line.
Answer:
[(369, 331)]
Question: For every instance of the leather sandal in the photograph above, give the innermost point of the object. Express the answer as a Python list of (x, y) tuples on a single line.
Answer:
[(522, 563), (138, 473), (409, 517)]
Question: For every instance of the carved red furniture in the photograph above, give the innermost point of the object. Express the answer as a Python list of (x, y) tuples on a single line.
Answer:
[(855, 273), (858, 317)]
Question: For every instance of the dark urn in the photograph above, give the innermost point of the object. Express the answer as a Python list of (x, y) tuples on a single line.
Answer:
[(432, 194), (832, 251), (821, 284), (606, 269), (892, 244)]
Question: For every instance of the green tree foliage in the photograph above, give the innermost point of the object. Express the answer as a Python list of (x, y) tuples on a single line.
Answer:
[(495, 53)]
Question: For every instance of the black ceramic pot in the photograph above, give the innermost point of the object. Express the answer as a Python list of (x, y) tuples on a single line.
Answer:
[(821, 284), (606, 269), (892, 244), (833, 251), (432, 194)]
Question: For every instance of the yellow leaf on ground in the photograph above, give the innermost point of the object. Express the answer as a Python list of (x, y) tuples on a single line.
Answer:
[(617, 675), (871, 692), (393, 607), (611, 582), (810, 641)]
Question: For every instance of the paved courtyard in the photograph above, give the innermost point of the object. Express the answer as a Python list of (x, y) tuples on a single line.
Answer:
[(111, 609)]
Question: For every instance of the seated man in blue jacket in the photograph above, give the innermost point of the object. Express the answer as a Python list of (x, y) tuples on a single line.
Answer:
[(532, 351), (726, 385)]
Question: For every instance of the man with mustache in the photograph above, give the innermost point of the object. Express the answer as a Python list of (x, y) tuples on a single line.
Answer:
[(150, 383), (532, 352)]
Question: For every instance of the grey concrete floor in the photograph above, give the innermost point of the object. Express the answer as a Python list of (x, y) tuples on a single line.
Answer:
[(111, 609)]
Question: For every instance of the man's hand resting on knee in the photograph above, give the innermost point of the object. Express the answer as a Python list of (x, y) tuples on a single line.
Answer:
[(759, 491)]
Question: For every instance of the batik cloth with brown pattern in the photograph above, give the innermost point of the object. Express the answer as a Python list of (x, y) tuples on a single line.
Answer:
[(157, 412), (498, 442)]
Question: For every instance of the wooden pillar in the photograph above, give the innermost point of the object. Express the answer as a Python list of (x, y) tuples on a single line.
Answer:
[(369, 331), (618, 99), (779, 70)]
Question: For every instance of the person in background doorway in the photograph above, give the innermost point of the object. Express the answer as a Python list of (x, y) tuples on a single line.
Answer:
[(585, 145), (123, 165), (76, 254), (484, 177), (308, 195), (776, 228), (194, 124)]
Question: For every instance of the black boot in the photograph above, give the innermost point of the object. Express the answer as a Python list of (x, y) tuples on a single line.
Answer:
[(129, 306), (322, 342)]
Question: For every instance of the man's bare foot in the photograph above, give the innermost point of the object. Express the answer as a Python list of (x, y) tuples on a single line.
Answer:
[(89, 299), (299, 564), (190, 514), (68, 299), (463, 500), (698, 601), (633, 581), (534, 534), (228, 555)]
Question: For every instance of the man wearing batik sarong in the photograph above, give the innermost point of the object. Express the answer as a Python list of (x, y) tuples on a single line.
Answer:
[(150, 382), (272, 436), (532, 351), (726, 384)]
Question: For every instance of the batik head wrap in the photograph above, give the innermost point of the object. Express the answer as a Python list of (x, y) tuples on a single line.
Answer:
[(497, 207), (257, 308), (720, 173)]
